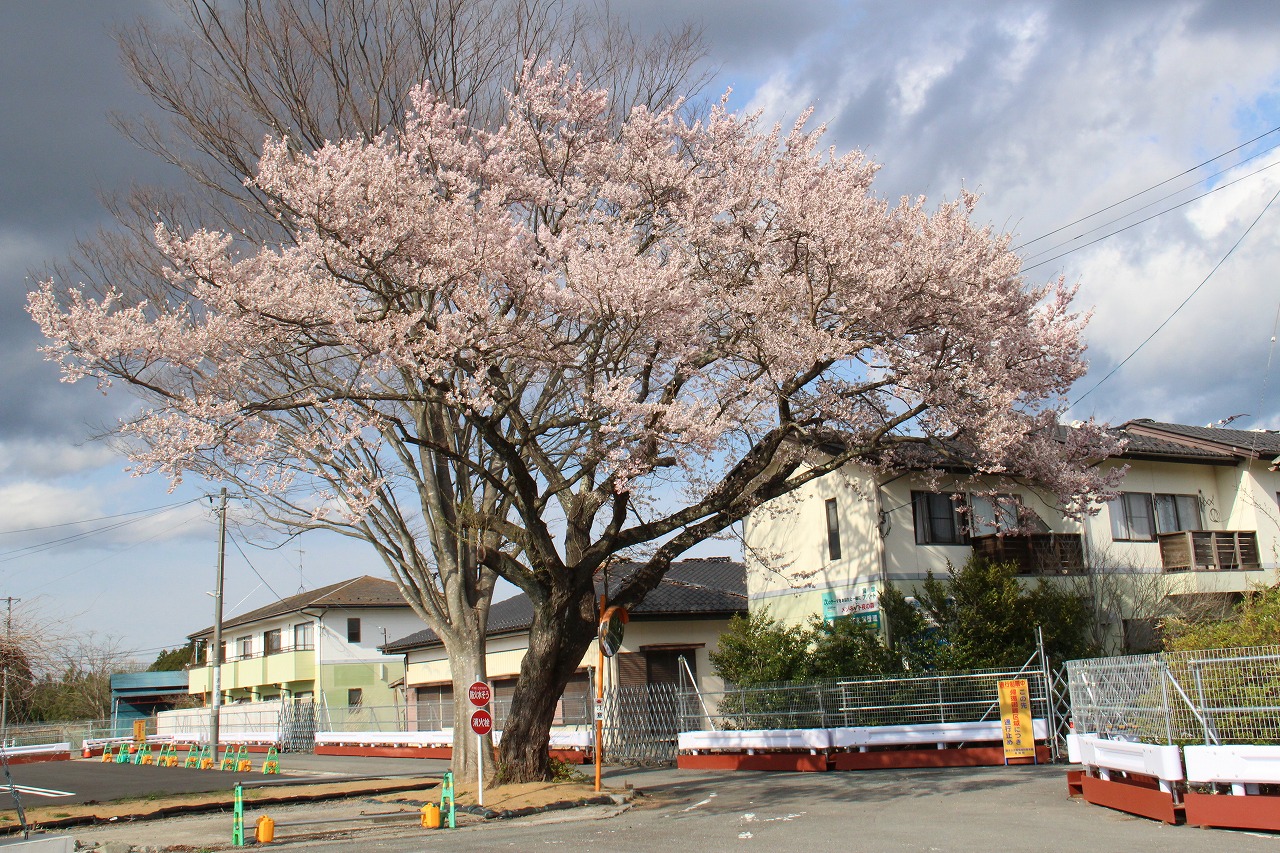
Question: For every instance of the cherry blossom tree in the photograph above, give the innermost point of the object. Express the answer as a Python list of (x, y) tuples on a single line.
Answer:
[(562, 339), (224, 75)]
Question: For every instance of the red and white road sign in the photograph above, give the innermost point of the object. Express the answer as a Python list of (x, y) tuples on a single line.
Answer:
[(481, 722), (479, 693)]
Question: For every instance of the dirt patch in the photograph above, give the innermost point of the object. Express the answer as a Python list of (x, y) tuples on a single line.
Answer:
[(413, 792)]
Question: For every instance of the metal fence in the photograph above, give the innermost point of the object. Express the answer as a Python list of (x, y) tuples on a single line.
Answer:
[(76, 732), (1212, 697), (937, 697)]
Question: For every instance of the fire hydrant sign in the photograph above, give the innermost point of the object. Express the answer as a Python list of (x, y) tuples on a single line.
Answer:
[(481, 722), (1015, 719), (479, 693)]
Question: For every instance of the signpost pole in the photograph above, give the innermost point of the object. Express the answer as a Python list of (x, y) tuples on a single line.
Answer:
[(480, 760), (479, 693), (599, 744)]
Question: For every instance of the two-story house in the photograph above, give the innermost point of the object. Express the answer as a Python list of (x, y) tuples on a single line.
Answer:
[(682, 618), (321, 644), (1198, 521)]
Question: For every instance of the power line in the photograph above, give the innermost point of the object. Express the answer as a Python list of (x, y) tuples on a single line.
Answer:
[(99, 518), (278, 596), (1149, 189), (28, 550), (1182, 304), (1148, 218), (1166, 197)]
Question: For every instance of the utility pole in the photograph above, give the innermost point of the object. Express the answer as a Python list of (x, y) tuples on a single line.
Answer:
[(8, 654), (215, 649)]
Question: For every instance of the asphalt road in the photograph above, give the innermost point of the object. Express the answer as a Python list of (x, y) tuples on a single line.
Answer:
[(960, 810), (89, 781)]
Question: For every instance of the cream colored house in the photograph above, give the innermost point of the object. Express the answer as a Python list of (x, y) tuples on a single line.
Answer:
[(320, 644), (682, 618), (1198, 515)]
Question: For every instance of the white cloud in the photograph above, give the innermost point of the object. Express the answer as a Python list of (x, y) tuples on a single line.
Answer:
[(52, 458)]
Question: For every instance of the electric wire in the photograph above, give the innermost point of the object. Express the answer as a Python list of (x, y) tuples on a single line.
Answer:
[(1148, 218), (1149, 189), (99, 518), (1182, 304), (39, 547), (1165, 197)]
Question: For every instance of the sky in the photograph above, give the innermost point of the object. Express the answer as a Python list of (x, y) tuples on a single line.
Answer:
[(1051, 111)]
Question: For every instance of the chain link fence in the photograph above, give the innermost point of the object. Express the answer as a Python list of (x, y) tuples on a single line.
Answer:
[(1212, 697)]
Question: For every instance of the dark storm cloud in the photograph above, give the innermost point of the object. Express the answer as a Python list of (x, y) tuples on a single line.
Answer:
[(58, 152)]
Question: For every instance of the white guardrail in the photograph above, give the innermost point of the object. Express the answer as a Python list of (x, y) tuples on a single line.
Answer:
[(37, 749), (863, 738), (1163, 763), (1244, 767), (561, 740)]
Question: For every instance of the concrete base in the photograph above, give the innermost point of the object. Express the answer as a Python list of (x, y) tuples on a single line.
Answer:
[(42, 843), (1135, 795), (444, 752), (790, 761), (974, 756), (39, 757), (568, 756), (1232, 812)]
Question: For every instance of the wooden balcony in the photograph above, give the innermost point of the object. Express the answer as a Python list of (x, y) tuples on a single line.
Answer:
[(1034, 553), (1209, 550)]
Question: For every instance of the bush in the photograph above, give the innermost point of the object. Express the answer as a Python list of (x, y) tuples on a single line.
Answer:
[(1255, 622)]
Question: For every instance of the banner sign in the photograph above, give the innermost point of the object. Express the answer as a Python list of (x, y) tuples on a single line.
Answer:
[(860, 602), (1015, 719)]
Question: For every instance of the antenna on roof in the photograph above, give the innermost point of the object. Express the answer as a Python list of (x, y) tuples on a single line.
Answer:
[(302, 587), (1225, 421)]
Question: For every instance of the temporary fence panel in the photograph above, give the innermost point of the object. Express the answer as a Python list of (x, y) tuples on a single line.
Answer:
[(944, 697), (1212, 697)]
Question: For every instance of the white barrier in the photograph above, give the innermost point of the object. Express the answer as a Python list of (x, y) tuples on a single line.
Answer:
[(175, 738), (37, 749), (1164, 763), (940, 734), (561, 740), (751, 740), (407, 739), (251, 738), (1244, 767)]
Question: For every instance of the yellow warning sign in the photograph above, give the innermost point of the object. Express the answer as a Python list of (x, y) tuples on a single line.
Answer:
[(1015, 719)]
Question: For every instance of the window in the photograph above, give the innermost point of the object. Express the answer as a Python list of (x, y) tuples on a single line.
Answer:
[(271, 642), (993, 514), (245, 645), (355, 695), (1177, 512), (353, 630), (302, 636), (1139, 516), (833, 530), (937, 519)]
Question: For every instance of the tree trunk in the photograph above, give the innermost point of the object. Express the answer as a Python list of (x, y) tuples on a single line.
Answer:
[(563, 627), (467, 665)]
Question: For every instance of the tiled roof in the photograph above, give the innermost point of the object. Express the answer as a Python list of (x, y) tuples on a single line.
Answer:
[(1239, 442), (1142, 446), (691, 588), (365, 591)]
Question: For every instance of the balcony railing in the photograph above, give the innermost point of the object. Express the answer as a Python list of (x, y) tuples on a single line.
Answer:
[(1212, 550), (1034, 553)]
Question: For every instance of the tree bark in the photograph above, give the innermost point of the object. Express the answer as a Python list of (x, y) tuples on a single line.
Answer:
[(467, 665), (563, 627)]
